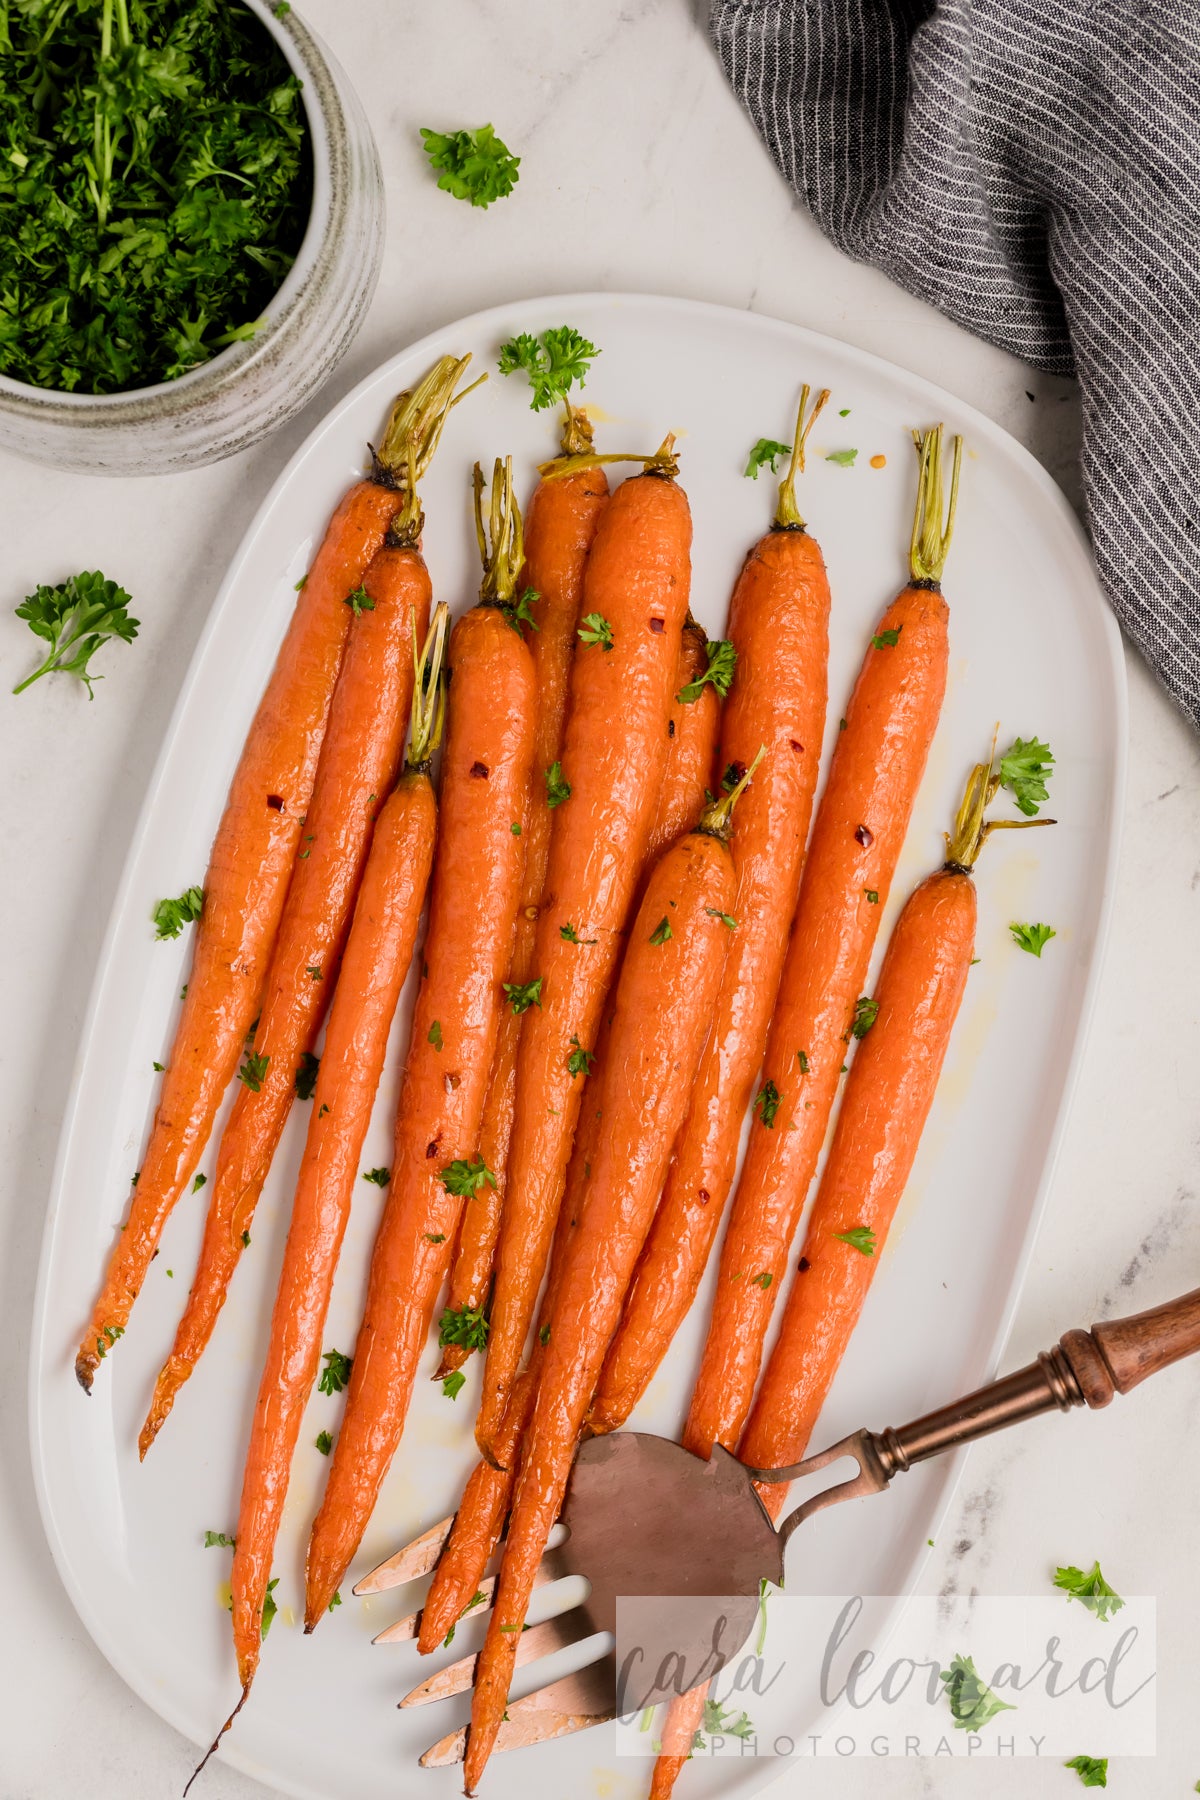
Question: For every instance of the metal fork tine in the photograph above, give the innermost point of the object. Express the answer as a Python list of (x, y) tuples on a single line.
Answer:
[(550, 1568), (540, 1640), (417, 1558), (573, 1703)]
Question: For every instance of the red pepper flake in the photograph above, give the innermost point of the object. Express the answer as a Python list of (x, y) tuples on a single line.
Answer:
[(797, 746), (480, 771), (703, 1194), (864, 836), (658, 625), (804, 1265), (276, 801), (431, 1149)]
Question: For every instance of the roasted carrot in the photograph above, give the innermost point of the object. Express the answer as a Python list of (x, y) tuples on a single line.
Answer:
[(602, 793), (661, 1015), (488, 1492), (889, 1091), (684, 1716), (860, 827), (473, 906), (358, 765), (779, 627), (378, 953), (250, 867), (559, 527)]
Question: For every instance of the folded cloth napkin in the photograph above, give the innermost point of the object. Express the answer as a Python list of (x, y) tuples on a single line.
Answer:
[(1032, 168)]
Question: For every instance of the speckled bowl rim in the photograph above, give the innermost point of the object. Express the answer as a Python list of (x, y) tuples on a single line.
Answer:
[(326, 119)]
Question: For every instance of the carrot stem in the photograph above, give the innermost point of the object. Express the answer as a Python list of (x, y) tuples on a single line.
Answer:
[(787, 513), (717, 818), (971, 828), (411, 436), (502, 538), (429, 690), (663, 462), (933, 516)]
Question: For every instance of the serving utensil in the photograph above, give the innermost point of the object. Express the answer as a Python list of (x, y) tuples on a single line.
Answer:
[(645, 1518)]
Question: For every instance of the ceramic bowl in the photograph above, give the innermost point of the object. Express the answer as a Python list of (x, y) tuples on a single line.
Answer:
[(248, 389)]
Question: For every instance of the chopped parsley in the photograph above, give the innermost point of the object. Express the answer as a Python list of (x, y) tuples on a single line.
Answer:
[(214, 1540), (306, 1075), (866, 1011), (872, 896), (722, 660), (719, 1723), (845, 459), (336, 1601), (324, 1442), (580, 1060), (313, 972), (253, 1071), (380, 1177), (85, 611), (1025, 770), (170, 916), (860, 1238), (558, 360), (596, 630), (198, 1183), (662, 932), (434, 1237), (972, 1702), (452, 1386), (886, 640), (802, 1059), (765, 455), (1093, 1770), (435, 1034), (767, 1103), (336, 1372), (763, 1281), (544, 1335), (269, 1608), (472, 165), (520, 612), (569, 933), (359, 602), (465, 1325), (1033, 938), (466, 1175), (1090, 1588), (521, 995), (715, 912), (557, 790)]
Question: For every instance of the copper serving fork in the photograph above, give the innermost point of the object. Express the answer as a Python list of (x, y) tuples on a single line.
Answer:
[(630, 1492)]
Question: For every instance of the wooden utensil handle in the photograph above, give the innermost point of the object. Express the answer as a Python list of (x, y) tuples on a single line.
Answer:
[(1085, 1368)]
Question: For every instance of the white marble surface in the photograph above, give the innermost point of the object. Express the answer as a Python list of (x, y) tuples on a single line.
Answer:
[(638, 172)]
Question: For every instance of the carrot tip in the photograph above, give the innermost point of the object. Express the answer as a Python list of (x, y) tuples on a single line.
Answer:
[(85, 1369)]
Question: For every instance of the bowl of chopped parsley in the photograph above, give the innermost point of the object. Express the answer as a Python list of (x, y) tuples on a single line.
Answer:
[(191, 227)]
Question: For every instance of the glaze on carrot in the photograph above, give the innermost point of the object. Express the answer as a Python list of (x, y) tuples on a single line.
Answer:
[(889, 1091), (376, 962), (559, 527), (636, 597), (358, 766), (661, 1016), (860, 827), (472, 915), (249, 870), (779, 627)]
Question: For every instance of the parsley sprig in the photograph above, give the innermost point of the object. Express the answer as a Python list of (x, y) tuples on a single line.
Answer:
[(1090, 1588), (472, 165), (76, 617), (170, 916), (722, 660), (558, 360)]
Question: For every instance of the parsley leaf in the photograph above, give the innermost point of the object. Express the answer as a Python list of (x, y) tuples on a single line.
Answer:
[(662, 932), (866, 1011), (198, 1183), (380, 1177), (336, 1372), (802, 1059), (722, 660), (76, 617), (170, 916), (472, 165), (313, 972), (1091, 1589), (253, 1072), (218, 1539), (845, 459), (972, 1702), (596, 630), (557, 790), (269, 1608), (886, 640), (465, 1325), (765, 454), (1025, 769), (359, 602), (452, 1386), (767, 1103), (1033, 938), (466, 1175), (725, 918), (569, 933), (324, 1442), (560, 359), (762, 1280), (521, 995), (520, 612), (544, 1335), (1091, 1770), (860, 1238), (580, 1060), (435, 1034), (723, 1724), (306, 1075)]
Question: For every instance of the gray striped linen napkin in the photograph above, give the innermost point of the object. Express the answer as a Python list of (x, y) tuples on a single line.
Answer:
[(1032, 168)]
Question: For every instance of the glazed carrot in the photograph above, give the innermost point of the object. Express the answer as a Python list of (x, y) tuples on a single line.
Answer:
[(488, 1492), (248, 873), (661, 1016), (779, 627), (860, 826), (685, 1714), (378, 953), (359, 762), (559, 527), (888, 1095), (476, 888), (614, 753)]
